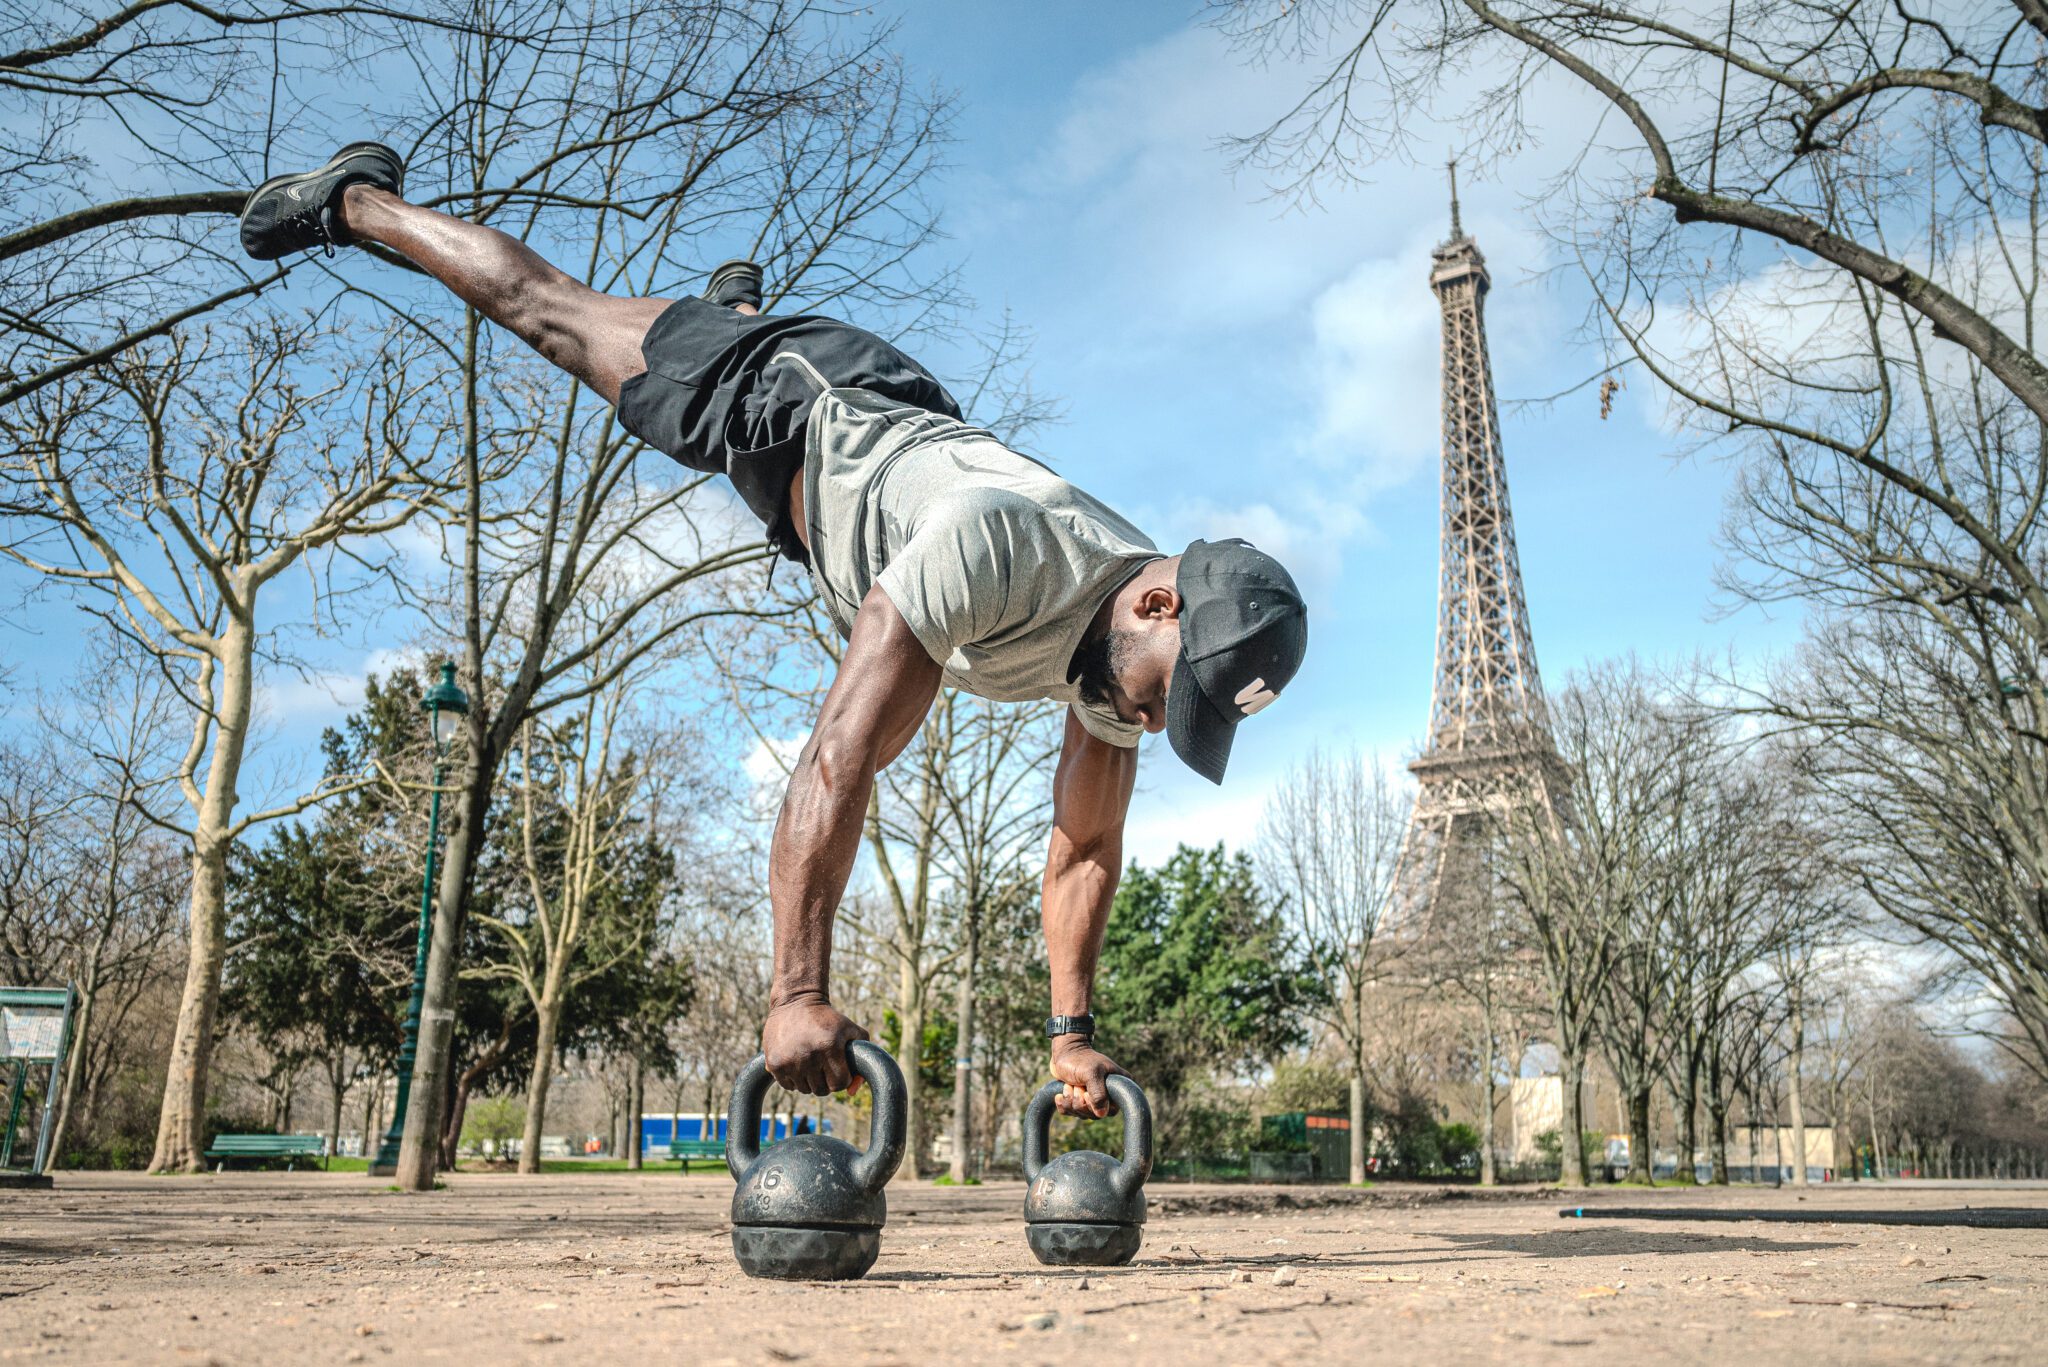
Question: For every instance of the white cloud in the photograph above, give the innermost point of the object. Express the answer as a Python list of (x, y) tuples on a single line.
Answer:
[(1324, 313), (287, 698)]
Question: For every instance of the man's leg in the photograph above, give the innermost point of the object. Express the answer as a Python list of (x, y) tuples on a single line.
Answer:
[(595, 337)]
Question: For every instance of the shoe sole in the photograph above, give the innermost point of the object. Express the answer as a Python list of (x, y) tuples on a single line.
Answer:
[(332, 163)]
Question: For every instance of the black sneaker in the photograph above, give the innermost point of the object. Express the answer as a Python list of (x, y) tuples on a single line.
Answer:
[(295, 213), (735, 282)]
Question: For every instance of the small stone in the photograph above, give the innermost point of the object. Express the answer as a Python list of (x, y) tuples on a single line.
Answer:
[(1284, 1277), (1910, 1261), (363, 1331), (1044, 1320), (1081, 1285), (1240, 1277)]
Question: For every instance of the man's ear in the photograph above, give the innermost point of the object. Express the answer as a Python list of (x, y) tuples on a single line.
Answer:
[(1160, 602)]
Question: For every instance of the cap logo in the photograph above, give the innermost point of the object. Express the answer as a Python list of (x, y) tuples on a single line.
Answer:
[(1254, 696)]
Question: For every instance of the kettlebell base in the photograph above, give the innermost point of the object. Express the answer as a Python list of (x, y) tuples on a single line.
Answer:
[(1073, 1244), (798, 1254)]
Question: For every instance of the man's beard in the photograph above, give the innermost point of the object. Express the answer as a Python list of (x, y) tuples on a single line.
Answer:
[(1101, 662)]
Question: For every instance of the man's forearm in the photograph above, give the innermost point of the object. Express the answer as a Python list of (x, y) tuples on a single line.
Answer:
[(1079, 887), (817, 839)]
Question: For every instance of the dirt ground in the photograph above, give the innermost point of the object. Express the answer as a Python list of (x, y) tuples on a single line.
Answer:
[(290, 1268)]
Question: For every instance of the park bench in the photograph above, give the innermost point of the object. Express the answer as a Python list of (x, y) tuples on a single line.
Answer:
[(686, 1149), (290, 1147)]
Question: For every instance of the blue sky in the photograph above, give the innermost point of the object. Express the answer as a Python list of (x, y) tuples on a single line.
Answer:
[(1234, 365)]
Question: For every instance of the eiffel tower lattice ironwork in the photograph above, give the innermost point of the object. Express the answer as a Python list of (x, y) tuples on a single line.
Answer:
[(1489, 748)]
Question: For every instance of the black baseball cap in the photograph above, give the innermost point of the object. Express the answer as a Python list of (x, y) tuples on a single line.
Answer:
[(1243, 631)]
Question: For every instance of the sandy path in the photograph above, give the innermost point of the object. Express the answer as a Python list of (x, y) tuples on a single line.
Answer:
[(291, 1268)]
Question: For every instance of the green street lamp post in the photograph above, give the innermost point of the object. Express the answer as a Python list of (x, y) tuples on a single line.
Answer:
[(445, 704)]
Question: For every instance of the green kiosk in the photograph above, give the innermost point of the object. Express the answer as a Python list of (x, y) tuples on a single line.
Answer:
[(35, 1032)]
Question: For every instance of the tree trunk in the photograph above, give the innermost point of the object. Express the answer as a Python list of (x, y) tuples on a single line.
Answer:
[(1360, 1137), (636, 1102), (457, 1111), (537, 1082), (1685, 1102), (1487, 1096), (1641, 1166), (420, 1151), (181, 1125), (963, 1057), (910, 1049), (1570, 1147), (1489, 1055), (1797, 1025), (373, 1092), (74, 1067), (464, 1087), (337, 1094)]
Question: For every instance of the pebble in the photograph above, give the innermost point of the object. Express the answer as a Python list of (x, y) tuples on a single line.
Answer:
[(1240, 1276), (1285, 1277), (1910, 1261), (1044, 1320)]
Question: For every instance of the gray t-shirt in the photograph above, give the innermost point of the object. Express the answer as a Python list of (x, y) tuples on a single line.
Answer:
[(996, 562)]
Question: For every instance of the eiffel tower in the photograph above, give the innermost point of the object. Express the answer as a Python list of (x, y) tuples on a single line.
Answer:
[(1489, 747)]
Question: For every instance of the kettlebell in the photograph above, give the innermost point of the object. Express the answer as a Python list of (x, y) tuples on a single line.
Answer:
[(1086, 1209), (811, 1207)]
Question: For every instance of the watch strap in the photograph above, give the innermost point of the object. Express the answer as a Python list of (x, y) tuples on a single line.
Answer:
[(1056, 1026)]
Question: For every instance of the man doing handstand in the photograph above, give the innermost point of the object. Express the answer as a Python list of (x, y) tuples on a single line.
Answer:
[(941, 556)]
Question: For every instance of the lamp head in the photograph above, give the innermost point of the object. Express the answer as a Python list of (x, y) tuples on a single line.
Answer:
[(445, 704)]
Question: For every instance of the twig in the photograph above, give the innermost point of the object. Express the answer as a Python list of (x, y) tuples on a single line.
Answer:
[(1323, 1299), (1889, 1305), (1154, 1300)]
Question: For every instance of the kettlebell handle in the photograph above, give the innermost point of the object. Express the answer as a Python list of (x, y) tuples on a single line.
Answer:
[(885, 1144), (1136, 1164)]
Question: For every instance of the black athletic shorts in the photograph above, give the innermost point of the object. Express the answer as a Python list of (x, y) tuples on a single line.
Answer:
[(728, 393)]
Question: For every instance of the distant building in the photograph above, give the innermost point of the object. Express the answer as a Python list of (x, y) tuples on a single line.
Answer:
[(1762, 1153), (1536, 1108)]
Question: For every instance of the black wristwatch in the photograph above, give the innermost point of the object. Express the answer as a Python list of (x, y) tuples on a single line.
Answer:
[(1055, 1026)]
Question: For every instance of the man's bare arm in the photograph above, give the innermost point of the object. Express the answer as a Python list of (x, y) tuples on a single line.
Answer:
[(880, 697), (1091, 792)]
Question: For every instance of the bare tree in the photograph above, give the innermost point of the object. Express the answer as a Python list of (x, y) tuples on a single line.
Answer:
[(109, 743), (1818, 228), (993, 828), (1329, 843), (133, 133), (658, 135), (575, 785), (1578, 883), (164, 492)]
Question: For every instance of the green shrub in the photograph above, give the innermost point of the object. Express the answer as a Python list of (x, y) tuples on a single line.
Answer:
[(489, 1122), (1592, 1146), (1458, 1149)]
